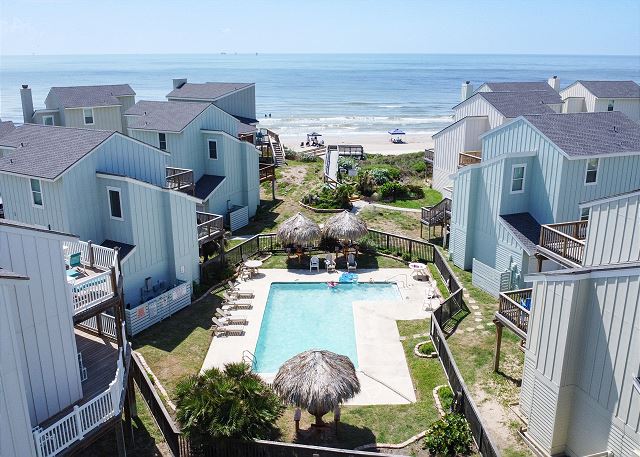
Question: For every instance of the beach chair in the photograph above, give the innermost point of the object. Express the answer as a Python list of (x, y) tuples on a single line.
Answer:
[(314, 263), (240, 292), (351, 262), (330, 263), (228, 319), (219, 328), (237, 304)]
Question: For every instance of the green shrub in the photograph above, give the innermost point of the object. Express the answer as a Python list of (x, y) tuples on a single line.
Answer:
[(307, 157), (342, 195), (392, 190), (290, 154), (419, 167), (446, 397), (406, 257), (414, 191), (365, 182), (346, 163), (449, 436)]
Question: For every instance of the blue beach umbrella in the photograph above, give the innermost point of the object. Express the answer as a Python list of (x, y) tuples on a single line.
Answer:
[(396, 132)]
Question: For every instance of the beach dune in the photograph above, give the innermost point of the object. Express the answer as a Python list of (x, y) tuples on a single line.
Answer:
[(373, 143)]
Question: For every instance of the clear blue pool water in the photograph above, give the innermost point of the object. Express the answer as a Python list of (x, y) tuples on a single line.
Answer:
[(303, 316)]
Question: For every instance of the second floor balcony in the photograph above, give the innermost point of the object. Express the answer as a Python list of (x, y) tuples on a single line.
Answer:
[(180, 179), (514, 307), (564, 242), (429, 155), (210, 227), (469, 158)]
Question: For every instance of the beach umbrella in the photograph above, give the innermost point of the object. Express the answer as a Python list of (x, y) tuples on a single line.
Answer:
[(299, 230), (345, 226), (396, 132), (317, 381)]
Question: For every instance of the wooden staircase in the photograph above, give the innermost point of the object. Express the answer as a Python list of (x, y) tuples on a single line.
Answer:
[(439, 214), (278, 153)]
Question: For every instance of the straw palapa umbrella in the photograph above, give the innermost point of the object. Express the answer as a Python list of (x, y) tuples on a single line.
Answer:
[(317, 381), (345, 226), (299, 230)]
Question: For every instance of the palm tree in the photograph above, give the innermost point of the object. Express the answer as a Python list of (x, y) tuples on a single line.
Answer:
[(229, 403)]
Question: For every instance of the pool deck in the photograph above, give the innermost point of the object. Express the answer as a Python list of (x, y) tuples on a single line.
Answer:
[(382, 368)]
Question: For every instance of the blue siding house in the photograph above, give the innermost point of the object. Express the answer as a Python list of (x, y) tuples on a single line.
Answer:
[(512, 212), (106, 187)]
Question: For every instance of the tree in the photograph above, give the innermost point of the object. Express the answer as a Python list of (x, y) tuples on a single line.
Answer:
[(229, 403)]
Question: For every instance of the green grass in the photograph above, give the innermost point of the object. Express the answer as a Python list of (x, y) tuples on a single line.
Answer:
[(445, 395), (431, 197), (399, 222)]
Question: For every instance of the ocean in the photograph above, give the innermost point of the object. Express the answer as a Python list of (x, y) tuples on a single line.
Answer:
[(365, 93)]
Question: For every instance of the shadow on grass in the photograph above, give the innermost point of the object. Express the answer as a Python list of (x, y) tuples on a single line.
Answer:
[(264, 219), (454, 321), (168, 334), (347, 437)]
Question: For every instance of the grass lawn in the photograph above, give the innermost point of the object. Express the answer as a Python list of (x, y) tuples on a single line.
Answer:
[(431, 197)]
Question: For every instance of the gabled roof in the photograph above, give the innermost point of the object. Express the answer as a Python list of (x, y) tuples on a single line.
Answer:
[(171, 116), (206, 91), (589, 134), (206, 185), (87, 96), (518, 86), (514, 104), (6, 127), (612, 89), (125, 249), (45, 151), (524, 228)]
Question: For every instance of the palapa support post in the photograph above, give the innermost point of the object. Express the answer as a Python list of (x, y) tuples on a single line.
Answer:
[(336, 418), (297, 415), (496, 358)]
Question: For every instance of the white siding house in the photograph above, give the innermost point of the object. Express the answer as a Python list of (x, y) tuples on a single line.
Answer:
[(598, 96)]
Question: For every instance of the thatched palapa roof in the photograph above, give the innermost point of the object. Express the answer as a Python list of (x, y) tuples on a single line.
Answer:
[(317, 381), (345, 226), (299, 229)]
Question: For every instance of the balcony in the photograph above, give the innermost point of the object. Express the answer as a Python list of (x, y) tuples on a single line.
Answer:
[(94, 283), (513, 311), (267, 172), (564, 242), (469, 158), (210, 227), (180, 179), (429, 155)]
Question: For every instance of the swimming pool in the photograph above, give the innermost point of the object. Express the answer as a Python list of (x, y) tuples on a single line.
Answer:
[(302, 316)]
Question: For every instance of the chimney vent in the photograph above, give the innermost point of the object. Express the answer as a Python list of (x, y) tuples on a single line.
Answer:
[(27, 104), (466, 91), (25, 86), (554, 82)]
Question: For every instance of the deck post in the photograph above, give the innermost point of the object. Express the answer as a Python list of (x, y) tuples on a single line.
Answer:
[(540, 259), (496, 359), (90, 253), (99, 324), (273, 186), (120, 443)]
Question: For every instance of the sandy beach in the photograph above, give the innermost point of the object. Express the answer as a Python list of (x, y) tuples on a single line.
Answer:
[(373, 143)]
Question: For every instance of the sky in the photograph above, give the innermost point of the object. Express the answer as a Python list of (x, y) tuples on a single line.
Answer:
[(591, 27)]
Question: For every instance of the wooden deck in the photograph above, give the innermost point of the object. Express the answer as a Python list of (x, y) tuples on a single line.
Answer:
[(564, 242), (469, 158), (512, 314)]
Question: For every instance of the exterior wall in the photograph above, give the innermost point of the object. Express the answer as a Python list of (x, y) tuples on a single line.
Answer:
[(458, 137), (104, 118), (629, 106), (574, 105), (613, 232), (478, 106), (15, 425), (39, 115), (583, 350), (578, 90), (43, 320), (241, 103), (127, 102)]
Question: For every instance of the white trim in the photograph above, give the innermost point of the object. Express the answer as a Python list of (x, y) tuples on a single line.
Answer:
[(84, 117), (209, 141), (31, 193), (147, 185), (46, 116), (119, 191), (524, 178), (160, 141), (586, 172), (496, 159), (575, 274), (611, 198), (98, 106), (441, 132)]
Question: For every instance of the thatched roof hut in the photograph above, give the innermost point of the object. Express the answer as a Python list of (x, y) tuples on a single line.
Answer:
[(345, 226), (317, 381), (299, 230)]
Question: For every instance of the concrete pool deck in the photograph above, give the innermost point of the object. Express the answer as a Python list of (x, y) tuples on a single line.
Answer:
[(382, 368)]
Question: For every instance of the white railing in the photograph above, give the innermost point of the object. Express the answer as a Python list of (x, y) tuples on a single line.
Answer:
[(108, 324), (103, 258), (83, 419), (90, 291)]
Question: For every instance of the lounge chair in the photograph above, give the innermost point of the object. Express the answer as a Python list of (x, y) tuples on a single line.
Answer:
[(314, 263), (220, 328), (330, 263), (237, 304), (235, 289), (230, 319), (351, 262)]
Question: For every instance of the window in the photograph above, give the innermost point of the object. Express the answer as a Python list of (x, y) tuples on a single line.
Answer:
[(88, 116), (213, 149), (115, 205), (36, 192), (584, 214), (610, 105), (591, 176), (517, 179), (162, 141), (47, 120)]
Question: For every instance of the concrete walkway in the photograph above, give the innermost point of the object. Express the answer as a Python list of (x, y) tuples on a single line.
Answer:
[(382, 368)]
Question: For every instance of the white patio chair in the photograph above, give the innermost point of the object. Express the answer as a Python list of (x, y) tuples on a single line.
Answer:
[(351, 262), (330, 263), (314, 263)]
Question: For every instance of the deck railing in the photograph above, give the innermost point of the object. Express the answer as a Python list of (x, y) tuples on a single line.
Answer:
[(180, 179), (90, 291), (432, 215), (267, 172), (565, 239), (107, 325), (83, 419), (429, 155), (209, 226), (469, 158), (510, 307), (91, 255)]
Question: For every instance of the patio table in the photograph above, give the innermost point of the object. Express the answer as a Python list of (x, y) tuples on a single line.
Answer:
[(419, 269), (253, 265)]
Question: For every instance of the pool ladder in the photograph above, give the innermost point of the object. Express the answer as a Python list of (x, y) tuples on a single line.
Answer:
[(249, 358), (403, 275)]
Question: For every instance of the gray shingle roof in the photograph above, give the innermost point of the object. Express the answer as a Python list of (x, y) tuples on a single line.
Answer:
[(588, 134), (207, 184), (171, 116), (44, 151), (6, 127), (519, 86), (612, 89), (524, 228), (514, 104), (206, 91), (87, 96)]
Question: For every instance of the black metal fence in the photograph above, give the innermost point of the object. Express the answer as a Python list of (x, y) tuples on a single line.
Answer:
[(399, 246)]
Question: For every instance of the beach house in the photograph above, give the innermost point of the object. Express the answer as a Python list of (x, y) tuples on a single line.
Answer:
[(580, 390), (204, 155), (111, 189), (518, 210), (597, 96), (92, 107), (64, 363)]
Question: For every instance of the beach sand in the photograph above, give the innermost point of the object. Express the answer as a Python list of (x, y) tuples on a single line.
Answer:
[(373, 143)]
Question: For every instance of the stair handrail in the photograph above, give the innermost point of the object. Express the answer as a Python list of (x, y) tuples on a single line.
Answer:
[(249, 358), (404, 275)]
